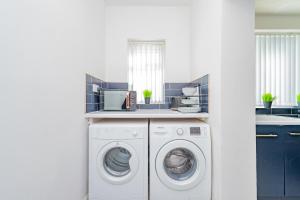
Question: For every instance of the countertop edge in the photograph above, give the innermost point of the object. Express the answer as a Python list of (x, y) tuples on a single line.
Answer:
[(128, 115), (276, 120), (284, 123)]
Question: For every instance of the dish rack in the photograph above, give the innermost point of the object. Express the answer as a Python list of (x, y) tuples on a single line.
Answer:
[(190, 104)]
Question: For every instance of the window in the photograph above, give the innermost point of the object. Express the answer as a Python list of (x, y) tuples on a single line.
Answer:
[(278, 67), (146, 69)]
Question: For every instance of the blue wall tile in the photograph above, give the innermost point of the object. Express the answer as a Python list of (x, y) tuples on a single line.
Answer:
[(89, 89), (148, 106), (94, 99), (277, 111), (173, 92), (101, 106), (167, 86), (101, 98), (204, 99), (168, 100), (164, 106), (89, 98), (296, 111), (121, 86), (263, 111), (104, 85), (204, 108), (92, 107), (204, 89), (177, 86)]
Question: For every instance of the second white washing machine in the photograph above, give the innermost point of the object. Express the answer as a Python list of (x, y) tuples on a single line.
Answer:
[(180, 160)]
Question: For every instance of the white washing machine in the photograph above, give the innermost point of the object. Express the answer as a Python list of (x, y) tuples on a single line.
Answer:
[(180, 160), (118, 160)]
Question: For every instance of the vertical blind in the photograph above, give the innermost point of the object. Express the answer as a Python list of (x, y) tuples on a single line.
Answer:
[(146, 69), (278, 67)]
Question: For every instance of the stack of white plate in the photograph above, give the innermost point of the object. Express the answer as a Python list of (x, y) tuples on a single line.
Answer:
[(189, 109)]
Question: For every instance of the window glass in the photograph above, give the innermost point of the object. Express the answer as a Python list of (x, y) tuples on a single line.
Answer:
[(278, 67), (146, 61)]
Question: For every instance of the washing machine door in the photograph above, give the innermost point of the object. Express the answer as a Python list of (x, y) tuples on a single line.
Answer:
[(117, 162), (180, 165)]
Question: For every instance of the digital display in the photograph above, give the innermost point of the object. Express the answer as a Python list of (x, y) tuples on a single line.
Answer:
[(195, 131)]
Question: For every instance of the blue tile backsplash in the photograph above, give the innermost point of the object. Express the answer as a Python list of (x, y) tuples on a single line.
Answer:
[(288, 111), (95, 101), (203, 91)]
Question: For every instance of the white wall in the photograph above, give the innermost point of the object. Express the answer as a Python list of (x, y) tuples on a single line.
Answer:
[(223, 46), (238, 101), (277, 22), (206, 59), (46, 48), (148, 23)]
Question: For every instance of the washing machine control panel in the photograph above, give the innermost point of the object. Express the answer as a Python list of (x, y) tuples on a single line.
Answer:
[(184, 131), (195, 131), (191, 131)]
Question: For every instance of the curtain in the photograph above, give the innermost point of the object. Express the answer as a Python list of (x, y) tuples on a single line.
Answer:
[(278, 67), (146, 69)]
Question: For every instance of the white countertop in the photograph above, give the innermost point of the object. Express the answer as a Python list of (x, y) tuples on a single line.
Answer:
[(144, 113), (276, 120)]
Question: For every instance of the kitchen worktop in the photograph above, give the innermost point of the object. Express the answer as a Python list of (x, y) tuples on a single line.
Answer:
[(144, 113), (276, 120)]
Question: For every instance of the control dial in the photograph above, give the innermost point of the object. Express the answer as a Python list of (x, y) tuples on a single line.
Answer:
[(135, 134), (179, 131)]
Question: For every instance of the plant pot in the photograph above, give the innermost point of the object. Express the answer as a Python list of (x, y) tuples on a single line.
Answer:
[(268, 105), (147, 100)]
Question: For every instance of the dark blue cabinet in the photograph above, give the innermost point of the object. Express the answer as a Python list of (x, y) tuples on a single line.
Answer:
[(270, 162), (292, 162), (278, 162)]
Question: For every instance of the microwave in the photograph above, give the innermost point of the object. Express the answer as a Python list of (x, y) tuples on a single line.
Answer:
[(119, 100)]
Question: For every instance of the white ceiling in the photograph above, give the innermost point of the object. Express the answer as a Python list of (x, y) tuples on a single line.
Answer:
[(279, 7), (148, 2)]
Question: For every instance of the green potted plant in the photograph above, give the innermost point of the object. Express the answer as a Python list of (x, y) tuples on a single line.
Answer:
[(147, 96), (298, 100), (268, 100)]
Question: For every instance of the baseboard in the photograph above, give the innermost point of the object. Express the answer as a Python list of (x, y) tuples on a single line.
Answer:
[(85, 197)]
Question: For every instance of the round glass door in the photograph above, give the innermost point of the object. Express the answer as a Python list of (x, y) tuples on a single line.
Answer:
[(117, 162), (180, 164)]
